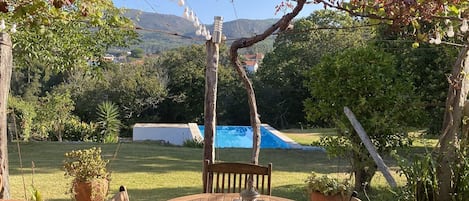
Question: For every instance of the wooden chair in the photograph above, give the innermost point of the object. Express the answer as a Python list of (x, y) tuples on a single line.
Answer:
[(233, 177)]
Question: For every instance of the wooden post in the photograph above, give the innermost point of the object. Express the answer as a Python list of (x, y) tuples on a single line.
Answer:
[(370, 147), (211, 79), (6, 63)]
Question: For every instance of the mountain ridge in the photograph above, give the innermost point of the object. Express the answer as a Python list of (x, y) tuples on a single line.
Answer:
[(160, 32)]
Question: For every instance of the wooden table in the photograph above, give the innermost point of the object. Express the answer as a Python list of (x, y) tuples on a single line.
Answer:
[(224, 197)]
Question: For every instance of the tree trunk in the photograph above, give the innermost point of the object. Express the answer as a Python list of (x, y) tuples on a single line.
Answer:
[(364, 169), (211, 79), (448, 142), (255, 121), (5, 77), (280, 25)]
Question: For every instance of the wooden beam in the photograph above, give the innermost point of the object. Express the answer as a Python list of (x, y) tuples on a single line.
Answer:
[(370, 147)]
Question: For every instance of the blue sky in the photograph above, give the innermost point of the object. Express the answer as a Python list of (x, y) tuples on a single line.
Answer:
[(207, 9)]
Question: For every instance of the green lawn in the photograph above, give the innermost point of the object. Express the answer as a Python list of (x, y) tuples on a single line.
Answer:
[(306, 136), (154, 172)]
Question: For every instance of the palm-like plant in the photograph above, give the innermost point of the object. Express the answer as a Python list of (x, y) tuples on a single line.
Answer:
[(108, 121)]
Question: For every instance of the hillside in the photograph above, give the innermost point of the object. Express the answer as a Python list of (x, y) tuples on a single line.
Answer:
[(162, 32)]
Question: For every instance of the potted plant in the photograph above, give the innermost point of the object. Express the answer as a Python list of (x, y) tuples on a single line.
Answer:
[(91, 177), (325, 188)]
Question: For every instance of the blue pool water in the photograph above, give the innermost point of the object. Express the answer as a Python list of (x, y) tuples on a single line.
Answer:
[(241, 137)]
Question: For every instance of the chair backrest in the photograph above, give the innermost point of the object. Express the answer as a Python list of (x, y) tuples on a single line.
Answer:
[(233, 177)]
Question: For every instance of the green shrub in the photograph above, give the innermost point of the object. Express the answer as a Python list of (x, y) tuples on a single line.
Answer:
[(76, 130), (108, 122), (326, 185), (420, 173), (194, 143), (22, 114), (86, 164)]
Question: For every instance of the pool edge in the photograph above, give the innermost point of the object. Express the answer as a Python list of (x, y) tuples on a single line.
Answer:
[(289, 141)]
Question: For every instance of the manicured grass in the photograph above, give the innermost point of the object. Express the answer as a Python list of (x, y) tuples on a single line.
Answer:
[(307, 136), (154, 172)]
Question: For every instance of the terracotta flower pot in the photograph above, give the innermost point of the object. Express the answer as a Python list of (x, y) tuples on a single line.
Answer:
[(316, 196), (95, 190)]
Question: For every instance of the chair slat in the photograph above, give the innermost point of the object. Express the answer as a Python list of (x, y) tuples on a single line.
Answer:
[(233, 177)]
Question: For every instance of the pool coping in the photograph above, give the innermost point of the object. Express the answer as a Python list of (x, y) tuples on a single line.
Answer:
[(289, 141)]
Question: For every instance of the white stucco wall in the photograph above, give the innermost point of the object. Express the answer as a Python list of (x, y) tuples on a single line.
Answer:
[(172, 133)]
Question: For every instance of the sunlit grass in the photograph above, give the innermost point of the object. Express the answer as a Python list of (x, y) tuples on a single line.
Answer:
[(307, 136), (153, 172)]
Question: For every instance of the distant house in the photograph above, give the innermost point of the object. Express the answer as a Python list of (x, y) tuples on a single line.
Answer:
[(108, 57), (251, 66), (252, 61)]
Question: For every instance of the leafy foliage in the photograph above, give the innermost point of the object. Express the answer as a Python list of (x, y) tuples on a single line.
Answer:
[(421, 178), (36, 195), (109, 123), (137, 53), (48, 118), (77, 130), (86, 164), (185, 69), (462, 179), (280, 79), (54, 110), (23, 113), (66, 36), (136, 89), (365, 80), (426, 66), (194, 143), (325, 184)]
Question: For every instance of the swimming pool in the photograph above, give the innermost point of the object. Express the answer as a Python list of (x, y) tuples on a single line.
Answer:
[(241, 137)]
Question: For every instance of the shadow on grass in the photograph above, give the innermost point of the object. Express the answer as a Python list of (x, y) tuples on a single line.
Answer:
[(152, 157), (148, 165)]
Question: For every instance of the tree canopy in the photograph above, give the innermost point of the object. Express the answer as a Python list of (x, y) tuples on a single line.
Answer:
[(366, 80), (280, 78), (65, 34)]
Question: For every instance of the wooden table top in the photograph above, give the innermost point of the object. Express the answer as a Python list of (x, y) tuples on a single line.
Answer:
[(224, 197)]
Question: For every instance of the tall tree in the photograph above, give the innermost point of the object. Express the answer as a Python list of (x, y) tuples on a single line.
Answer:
[(280, 78), (64, 34), (367, 80), (445, 15), (427, 66)]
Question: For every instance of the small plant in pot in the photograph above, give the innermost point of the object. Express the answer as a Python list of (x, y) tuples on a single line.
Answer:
[(325, 188), (89, 170)]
